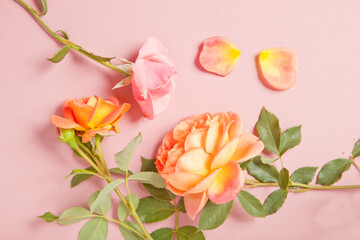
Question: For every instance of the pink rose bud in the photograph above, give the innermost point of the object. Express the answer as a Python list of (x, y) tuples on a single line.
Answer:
[(153, 79)]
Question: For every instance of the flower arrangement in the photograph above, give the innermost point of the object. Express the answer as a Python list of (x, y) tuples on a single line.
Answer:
[(202, 165)]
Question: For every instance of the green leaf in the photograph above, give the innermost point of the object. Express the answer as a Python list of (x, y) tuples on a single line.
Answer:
[(94, 229), (269, 131), (267, 160), (123, 158), (213, 215), (148, 165), (274, 201), (73, 215), (48, 217), (303, 175), (251, 204), (163, 234), (119, 171), (81, 172), (159, 193), (60, 54), (245, 164), (262, 172), (149, 178), (152, 210), (356, 151), (181, 205), (332, 171), (123, 211), (289, 139), (104, 192), (189, 233), (104, 206), (77, 179), (129, 234), (44, 6), (283, 179), (66, 36)]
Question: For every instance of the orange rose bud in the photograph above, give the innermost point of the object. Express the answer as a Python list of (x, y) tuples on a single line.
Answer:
[(199, 159), (90, 116)]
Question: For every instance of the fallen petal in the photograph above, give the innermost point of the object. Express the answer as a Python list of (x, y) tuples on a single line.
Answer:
[(278, 67), (219, 56)]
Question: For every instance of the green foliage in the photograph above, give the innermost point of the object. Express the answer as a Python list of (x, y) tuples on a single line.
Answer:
[(104, 193), (269, 131), (44, 6), (251, 204), (332, 171), (95, 229), (149, 178), (79, 178), (274, 201), (148, 165), (289, 139), (163, 234), (119, 171), (265, 160), (189, 233), (245, 164), (213, 215), (73, 215), (104, 206), (356, 150), (181, 205), (123, 211), (123, 158), (129, 234), (60, 54), (66, 36), (262, 172), (152, 210), (283, 179), (303, 175), (49, 217), (159, 193), (82, 172)]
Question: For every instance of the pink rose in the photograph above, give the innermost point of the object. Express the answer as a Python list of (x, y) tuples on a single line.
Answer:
[(153, 79)]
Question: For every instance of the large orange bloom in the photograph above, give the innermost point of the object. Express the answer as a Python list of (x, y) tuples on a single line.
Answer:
[(199, 159), (90, 116)]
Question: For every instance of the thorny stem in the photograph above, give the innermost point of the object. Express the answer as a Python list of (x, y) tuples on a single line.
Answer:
[(68, 42)]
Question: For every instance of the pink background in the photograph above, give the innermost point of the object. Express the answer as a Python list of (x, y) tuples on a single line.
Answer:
[(325, 34)]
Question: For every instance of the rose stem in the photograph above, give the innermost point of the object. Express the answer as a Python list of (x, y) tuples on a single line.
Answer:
[(68, 42), (123, 199)]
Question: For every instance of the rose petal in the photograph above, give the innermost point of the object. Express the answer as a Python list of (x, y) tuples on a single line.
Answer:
[(236, 128), (204, 184), (196, 161), (248, 147), (227, 184), (101, 110), (152, 47), (82, 112), (116, 115), (61, 122), (195, 139), (219, 55), (213, 137), (91, 133), (194, 203), (183, 180), (225, 154), (278, 67)]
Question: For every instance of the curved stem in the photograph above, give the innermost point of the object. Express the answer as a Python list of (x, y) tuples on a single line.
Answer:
[(97, 162), (84, 156), (68, 42), (355, 164), (176, 215), (314, 187)]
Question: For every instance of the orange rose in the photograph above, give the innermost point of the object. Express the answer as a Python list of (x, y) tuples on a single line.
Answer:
[(90, 116), (199, 159)]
